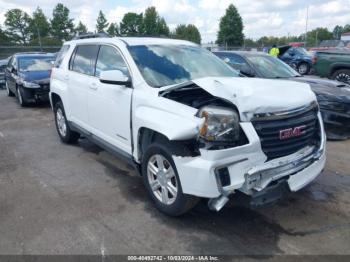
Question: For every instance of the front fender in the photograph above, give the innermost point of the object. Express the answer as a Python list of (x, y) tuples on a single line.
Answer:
[(170, 124)]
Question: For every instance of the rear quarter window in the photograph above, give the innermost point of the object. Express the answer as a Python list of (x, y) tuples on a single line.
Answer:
[(60, 55)]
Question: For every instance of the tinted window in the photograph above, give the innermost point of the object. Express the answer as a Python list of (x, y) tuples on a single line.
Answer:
[(163, 65), (84, 59), (271, 67), (109, 59), (30, 64), (63, 51)]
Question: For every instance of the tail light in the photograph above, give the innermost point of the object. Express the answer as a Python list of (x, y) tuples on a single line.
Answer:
[(314, 59)]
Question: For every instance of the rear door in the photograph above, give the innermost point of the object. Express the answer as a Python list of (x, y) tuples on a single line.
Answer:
[(109, 104), (81, 73)]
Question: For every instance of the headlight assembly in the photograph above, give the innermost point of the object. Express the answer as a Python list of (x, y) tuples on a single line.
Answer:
[(221, 124), (30, 84)]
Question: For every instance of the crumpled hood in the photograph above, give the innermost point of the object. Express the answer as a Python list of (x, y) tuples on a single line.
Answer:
[(334, 90), (253, 96)]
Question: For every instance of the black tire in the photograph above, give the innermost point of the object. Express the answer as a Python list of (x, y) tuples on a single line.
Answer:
[(9, 92), (183, 202), (21, 99), (303, 68), (69, 136), (342, 75)]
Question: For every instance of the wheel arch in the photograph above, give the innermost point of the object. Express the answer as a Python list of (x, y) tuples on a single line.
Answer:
[(338, 66)]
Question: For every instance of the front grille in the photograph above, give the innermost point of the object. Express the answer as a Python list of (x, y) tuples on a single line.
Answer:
[(269, 130)]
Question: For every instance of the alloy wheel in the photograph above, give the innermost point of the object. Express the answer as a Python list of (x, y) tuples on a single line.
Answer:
[(61, 122), (162, 179), (343, 77), (302, 69)]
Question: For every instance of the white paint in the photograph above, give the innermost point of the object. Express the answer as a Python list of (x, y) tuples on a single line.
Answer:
[(1, 135)]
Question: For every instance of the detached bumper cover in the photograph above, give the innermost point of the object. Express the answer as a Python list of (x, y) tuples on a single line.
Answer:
[(247, 167)]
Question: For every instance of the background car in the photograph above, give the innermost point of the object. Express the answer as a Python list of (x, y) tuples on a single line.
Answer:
[(296, 57), (333, 96), (27, 76), (3, 64)]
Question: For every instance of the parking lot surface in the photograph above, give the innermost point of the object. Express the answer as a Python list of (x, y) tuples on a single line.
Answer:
[(79, 199)]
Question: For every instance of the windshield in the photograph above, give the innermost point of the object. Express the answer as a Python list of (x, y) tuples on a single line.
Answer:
[(162, 65), (271, 67), (30, 64)]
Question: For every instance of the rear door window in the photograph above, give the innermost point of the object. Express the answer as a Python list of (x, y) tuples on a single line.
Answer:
[(84, 59)]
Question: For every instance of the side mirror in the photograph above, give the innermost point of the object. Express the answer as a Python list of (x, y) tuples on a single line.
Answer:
[(247, 71), (115, 77)]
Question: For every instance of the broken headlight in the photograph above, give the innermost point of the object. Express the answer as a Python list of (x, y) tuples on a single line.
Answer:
[(221, 124)]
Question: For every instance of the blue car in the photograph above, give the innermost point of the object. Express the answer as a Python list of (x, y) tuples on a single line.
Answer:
[(296, 57), (27, 76)]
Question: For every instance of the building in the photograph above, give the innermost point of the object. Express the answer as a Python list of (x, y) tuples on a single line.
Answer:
[(345, 36)]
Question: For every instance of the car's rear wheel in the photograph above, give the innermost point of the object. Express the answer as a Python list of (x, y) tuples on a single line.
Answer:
[(63, 129), (342, 75), (303, 68), (9, 92), (163, 183)]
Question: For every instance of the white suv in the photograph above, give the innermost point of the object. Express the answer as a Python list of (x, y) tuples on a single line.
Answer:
[(187, 122)]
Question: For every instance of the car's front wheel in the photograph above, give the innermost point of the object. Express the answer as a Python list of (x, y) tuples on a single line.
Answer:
[(9, 92), (21, 100), (303, 68), (63, 129), (163, 183), (342, 75)]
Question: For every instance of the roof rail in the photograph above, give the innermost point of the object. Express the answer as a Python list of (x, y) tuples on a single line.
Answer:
[(91, 35)]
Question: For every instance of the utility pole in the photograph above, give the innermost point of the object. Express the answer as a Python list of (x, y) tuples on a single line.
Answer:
[(316, 38), (306, 24), (39, 37)]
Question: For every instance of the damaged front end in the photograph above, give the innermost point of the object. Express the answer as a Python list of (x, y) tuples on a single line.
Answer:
[(257, 151)]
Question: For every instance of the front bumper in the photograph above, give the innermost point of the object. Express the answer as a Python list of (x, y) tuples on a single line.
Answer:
[(36, 94), (247, 168)]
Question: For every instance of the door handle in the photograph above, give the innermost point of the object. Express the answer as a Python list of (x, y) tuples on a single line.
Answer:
[(93, 86)]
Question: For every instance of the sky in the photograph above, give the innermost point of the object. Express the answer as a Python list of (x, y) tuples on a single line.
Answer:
[(260, 17)]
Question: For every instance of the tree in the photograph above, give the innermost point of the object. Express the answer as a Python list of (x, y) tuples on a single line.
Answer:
[(113, 29), (337, 32), (131, 24), (150, 20), (231, 28), (188, 32), (163, 29), (17, 23), (80, 28), (39, 25), (4, 39), (153, 24), (61, 25), (317, 35), (101, 22), (346, 28)]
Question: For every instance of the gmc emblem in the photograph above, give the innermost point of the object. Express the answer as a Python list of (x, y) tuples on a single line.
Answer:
[(292, 132)]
